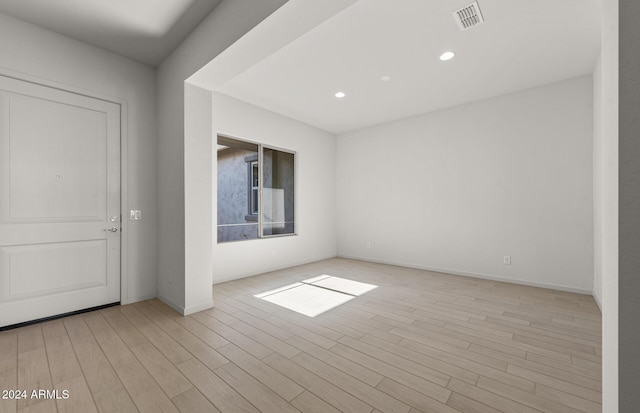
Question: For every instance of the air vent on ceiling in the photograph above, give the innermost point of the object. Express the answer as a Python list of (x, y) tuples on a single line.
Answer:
[(468, 16)]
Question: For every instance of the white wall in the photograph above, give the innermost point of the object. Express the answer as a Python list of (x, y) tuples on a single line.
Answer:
[(36, 52), (315, 191), (456, 190), (229, 21), (606, 202)]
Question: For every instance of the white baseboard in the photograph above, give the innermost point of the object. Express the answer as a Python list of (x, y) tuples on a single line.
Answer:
[(187, 310), (269, 269), (475, 275), (197, 308), (137, 299), (596, 297), (426, 268)]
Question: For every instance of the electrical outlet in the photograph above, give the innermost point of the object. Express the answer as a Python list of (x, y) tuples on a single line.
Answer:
[(507, 260), (368, 245)]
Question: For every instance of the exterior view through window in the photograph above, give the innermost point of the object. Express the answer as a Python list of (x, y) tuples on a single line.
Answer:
[(255, 191)]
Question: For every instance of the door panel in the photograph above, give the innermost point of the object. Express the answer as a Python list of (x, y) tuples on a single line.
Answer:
[(59, 189), (68, 265), (61, 178)]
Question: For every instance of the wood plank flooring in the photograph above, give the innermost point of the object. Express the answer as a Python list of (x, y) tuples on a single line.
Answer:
[(420, 342)]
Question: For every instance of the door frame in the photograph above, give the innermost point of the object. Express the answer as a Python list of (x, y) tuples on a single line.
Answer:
[(124, 224)]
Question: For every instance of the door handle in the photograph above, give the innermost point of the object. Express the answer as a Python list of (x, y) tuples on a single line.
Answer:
[(113, 229)]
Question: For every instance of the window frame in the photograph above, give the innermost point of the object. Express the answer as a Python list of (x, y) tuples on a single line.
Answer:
[(260, 160), (251, 160), (255, 189), (261, 148)]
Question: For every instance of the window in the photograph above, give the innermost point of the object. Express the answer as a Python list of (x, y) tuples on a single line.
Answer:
[(253, 188), (255, 191)]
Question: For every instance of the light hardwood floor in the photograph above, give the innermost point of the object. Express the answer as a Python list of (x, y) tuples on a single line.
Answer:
[(422, 341)]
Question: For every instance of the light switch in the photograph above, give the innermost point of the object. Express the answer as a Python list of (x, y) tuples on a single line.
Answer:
[(135, 215)]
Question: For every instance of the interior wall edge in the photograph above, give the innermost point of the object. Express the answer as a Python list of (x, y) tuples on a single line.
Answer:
[(192, 309), (628, 204), (597, 299), (179, 308)]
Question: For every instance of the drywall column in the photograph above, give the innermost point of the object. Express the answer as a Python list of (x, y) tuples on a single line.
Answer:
[(229, 21), (198, 167), (599, 204), (606, 204), (629, 204)]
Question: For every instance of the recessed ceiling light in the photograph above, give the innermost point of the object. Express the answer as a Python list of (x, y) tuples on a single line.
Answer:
[(340, 95), (447, 55), (385, 78)]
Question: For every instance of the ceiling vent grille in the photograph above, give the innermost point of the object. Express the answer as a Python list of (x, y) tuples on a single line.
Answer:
[(468, 16)]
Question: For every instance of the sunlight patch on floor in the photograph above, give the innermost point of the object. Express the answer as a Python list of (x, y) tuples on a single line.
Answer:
[(316, 295)]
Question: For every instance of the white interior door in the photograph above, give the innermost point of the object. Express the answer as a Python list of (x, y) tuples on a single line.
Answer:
[(59, 201)]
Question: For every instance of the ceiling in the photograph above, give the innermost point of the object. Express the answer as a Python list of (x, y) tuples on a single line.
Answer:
[(143, 30), (521, 44)]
